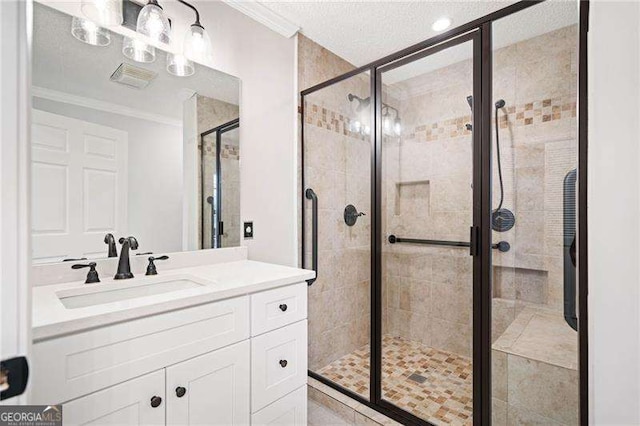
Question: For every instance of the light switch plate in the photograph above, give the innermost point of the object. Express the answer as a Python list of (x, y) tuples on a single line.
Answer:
[(248, 230)]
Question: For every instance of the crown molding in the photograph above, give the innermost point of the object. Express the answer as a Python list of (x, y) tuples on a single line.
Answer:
[(67, 98), (261, 13)]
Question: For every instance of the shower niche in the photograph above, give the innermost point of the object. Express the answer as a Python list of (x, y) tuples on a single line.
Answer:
[(412, 198)]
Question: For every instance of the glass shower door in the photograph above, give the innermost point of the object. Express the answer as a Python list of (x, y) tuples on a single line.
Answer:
[(337, 149), (427, 196)]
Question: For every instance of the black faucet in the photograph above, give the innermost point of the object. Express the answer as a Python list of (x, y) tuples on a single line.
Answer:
[(124, 267), (111, 241)]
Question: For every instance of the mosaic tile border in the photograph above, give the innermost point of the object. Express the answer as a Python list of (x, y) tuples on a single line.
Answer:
[(535, 112), (228, 151), (329, 120)]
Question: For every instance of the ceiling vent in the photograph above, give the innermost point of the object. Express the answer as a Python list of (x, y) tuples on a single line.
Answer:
[(132, 76)]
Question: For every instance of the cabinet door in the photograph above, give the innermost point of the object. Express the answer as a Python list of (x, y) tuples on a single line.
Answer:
[(212, 389), (129, 403)]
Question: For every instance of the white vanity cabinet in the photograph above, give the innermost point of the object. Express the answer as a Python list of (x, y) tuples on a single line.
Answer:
[(236, 361)]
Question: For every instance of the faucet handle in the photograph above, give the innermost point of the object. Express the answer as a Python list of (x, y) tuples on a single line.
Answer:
[(133, 243), (92, 275), (151, 268)]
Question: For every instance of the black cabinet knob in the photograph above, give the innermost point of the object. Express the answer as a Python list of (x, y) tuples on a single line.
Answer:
[(283, 307), (180, 391), (283, 363), (156, 401)]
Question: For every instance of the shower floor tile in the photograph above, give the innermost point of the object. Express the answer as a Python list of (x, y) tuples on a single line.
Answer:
[(432, 384)]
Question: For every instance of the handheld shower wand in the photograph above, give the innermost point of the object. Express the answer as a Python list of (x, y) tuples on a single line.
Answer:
[(501, 219)]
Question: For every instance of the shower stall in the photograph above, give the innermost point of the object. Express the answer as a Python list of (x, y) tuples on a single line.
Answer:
[(220, 186), (441, 209)]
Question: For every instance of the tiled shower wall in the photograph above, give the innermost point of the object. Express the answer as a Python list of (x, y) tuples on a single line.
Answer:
[(337, 167), (427, 173), (428, 194)]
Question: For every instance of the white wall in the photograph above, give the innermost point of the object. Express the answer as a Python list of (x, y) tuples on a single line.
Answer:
[(614, 212), (155, 174)]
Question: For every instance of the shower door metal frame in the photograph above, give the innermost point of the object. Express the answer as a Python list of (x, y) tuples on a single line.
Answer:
[(480, 229), (482, 217), (216, 217)]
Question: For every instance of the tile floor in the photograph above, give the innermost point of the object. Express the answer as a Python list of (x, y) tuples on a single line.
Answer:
[(439, 389)]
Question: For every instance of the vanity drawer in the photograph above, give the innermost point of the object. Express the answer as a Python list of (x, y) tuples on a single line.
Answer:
[(278, 363), (67, 367), (278, 307), (290, 410)]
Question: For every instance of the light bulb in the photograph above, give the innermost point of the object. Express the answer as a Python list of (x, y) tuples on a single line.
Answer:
[(397, 127), (153, 23), (138, 50), (88, 32), (386, 125), (179, 66), (197, 45)]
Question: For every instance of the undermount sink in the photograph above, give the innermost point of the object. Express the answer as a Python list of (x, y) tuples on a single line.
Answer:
[(126, 289)]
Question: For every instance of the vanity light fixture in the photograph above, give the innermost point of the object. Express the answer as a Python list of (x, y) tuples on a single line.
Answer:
[(441, 24), (391, 123), (197, 44), (107, 13), (138, 50), (179, 65), (153, 23), (88, 32)]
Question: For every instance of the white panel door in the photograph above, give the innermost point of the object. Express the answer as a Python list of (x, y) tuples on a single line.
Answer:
[(79, 186), (212, 389), (139, 401)]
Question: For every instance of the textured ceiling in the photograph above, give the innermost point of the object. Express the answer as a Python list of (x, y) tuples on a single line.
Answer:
[(363, 31), (62, 63)]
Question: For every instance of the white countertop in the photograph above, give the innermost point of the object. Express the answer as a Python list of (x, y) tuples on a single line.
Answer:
[(224, 280)]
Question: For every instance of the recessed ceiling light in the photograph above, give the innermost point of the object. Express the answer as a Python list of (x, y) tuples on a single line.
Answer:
[(441, 24)]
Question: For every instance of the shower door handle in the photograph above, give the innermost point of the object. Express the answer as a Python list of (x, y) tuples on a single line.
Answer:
[(311, 195), (473, 240)]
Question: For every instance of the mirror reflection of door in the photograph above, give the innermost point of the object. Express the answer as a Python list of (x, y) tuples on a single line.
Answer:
[(220, 168)]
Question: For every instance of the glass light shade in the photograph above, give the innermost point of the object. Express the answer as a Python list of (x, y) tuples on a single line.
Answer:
[(179, 65), (88, 32), (197, 44), (107, 13), (138, 50), (153, 23)]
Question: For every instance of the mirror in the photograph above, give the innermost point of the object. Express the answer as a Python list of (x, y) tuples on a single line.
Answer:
[(126, 148)]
